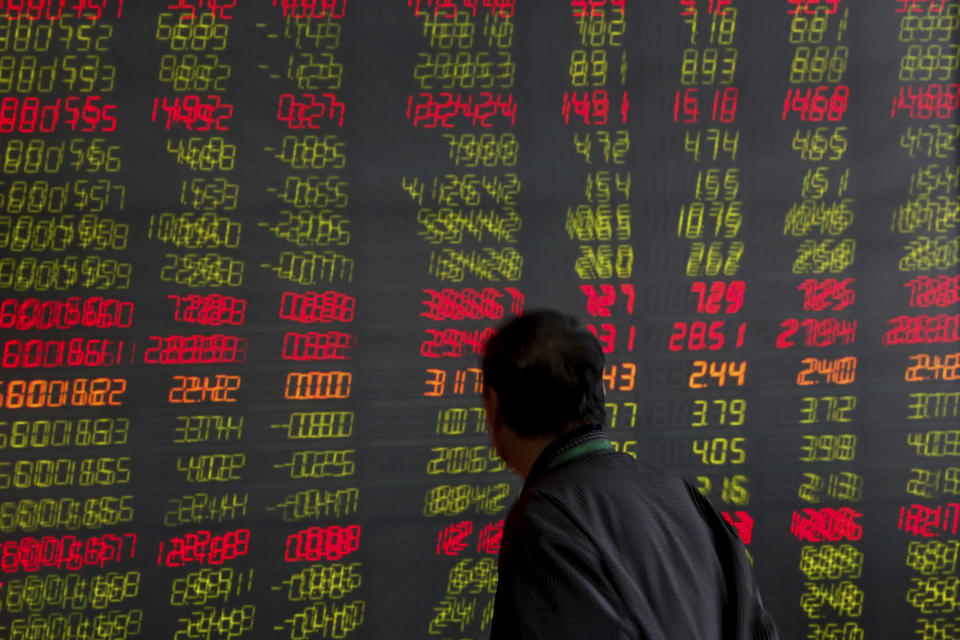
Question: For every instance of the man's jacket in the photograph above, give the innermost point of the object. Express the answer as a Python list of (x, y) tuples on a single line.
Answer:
[(599, 547)]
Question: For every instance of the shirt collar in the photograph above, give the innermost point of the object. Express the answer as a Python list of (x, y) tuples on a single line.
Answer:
[(564, 443)]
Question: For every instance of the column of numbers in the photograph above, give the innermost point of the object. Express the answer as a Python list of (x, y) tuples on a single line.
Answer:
[(465, 76), (924, 222), (64, 478)]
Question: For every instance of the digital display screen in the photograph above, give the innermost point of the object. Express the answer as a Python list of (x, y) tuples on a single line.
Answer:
[(251, 252)]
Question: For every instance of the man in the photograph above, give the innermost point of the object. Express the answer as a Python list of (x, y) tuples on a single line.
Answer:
[(598, 546)]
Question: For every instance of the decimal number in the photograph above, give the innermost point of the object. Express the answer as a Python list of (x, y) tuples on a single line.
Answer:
[(701, 335), (817, 104), (318, 385), (831, 562), (734, 489), (195, 349), (825, 256), (935, 443), (191, 72), (588, 68), (933, 557), (714, 259), (64, 472), (926, 253), (453, 500), (828, 448), (209, 193), (202, 547), (934, 483), (597, 30), (186, 32), (485, 150), (313, 152), (820, 143), (719, 296), (933, 367), (827, 409), (821, 295), (717, 451), (216, 388), (719, 412), (203, 428), (203, 154), (844, 486), (323, 463), (813, 65), (711, 65), (818, 332), (200, 587), (828, 371), (932, 62), (456, 460), (717, 374), (933, 26), (199, 508), (218, 467), (212, 310), (922, 6), (202, 270), (465, 70), (216, 8)]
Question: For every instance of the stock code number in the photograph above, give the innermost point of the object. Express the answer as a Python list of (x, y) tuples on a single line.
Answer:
[(78, 392)]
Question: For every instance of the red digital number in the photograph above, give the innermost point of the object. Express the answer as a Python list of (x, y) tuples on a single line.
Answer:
[(817, 104), (713, 295), (686, 105)]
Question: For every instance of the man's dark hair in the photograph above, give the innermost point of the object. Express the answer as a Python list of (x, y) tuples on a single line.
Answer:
[(547, 371)]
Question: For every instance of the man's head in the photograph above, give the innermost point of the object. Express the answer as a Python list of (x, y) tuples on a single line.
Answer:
[(543, 375)]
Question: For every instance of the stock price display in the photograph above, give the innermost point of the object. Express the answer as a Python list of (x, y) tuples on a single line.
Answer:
[(251, 252)]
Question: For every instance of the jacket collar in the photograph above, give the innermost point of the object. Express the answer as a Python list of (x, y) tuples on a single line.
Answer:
[(567, 446)]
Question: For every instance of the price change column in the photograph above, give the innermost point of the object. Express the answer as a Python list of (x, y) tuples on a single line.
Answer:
[(925, 337), (708, 224), (307, 233), (463, 103), (819, 226), (595, 110), (66, 506)]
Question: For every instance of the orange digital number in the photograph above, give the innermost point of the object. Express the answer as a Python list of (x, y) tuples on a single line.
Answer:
[(828, 371), (622, 377), (193, 389), (719, 374), (318, 385)]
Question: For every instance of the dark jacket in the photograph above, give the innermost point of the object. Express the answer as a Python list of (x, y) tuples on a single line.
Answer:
[(598, 546)]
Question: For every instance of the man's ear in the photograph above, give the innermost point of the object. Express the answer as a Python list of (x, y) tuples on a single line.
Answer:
[(495, 423), (491, 403)]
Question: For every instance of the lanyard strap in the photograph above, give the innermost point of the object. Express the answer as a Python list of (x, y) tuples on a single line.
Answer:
[(579, 450)]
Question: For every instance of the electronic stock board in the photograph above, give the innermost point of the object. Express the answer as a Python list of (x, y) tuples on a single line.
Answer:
[(250, 251)]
